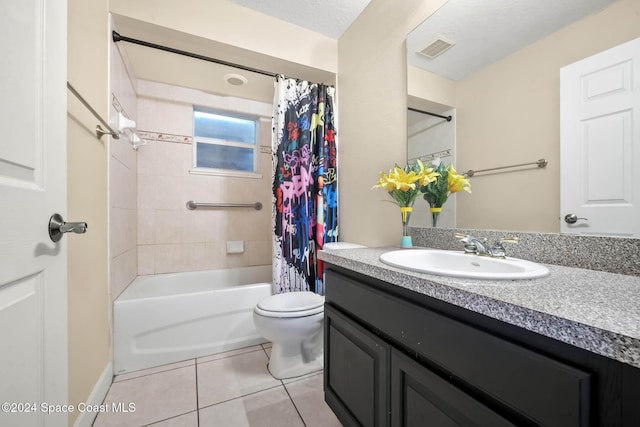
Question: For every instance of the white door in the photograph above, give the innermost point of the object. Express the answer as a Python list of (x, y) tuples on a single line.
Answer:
[(600, 143), (33, 282)]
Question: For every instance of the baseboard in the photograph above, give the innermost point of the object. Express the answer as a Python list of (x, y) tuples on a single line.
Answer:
[(96, 397)]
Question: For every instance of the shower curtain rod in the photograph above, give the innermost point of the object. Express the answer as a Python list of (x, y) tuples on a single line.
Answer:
[(447, 118), (117, 37)]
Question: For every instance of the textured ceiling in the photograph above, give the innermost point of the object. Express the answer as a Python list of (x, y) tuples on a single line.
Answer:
[(328, 17), (486, 31)]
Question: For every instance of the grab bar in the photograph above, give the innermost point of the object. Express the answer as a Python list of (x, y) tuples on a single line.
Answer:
[(191, 205), (99, 130), (542, 163)]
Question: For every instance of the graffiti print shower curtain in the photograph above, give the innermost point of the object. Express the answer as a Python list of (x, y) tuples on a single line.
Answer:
[(305, 208)]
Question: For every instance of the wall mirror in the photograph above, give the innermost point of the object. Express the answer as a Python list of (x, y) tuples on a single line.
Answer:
[(494, 67)]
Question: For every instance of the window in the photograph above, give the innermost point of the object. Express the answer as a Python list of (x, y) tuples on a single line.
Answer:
[(225, 142)]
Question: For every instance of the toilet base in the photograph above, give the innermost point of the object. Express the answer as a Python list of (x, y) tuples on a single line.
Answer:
[(292, 359)]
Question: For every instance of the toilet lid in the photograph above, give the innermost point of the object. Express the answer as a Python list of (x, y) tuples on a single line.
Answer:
[(291, 301)]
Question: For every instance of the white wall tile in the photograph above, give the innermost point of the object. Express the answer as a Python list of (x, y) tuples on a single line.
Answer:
[(165, 117), (168, 192), (123, 271), (171, 159), (238, 227), (170, 259), (265, 167), (217, 225), (121, 84), (197, 257), (188, 240), (195, 225), (147, 158), (206, 188), (146, 227), (146, 191), (216, 255), (237, 260), (187, 156), (146, 259), (259, 252), (123, 225), (240, 190), (168, 227), (122, 150), (122, 185)]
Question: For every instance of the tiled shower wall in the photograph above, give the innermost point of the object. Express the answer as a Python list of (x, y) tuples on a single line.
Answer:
[(172, 238), (122, 183)]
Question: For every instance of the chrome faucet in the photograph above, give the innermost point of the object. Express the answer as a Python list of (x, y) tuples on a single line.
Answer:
[(475, 246)]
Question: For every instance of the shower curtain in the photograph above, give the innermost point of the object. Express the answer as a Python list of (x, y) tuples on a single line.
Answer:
[(305, 198)]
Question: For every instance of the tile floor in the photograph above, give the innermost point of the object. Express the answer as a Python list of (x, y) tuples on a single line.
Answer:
[(232, 389)]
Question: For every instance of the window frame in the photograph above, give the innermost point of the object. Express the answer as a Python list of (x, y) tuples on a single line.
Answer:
[(200, 170)]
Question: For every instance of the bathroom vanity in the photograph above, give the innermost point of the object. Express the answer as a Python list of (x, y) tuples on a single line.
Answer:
[(412, 349)]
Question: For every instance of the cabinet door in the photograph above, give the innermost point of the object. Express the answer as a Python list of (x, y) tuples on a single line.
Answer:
[(538, 388), (356, 373), (421, 398)]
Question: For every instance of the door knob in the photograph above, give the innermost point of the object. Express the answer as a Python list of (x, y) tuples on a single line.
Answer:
[(57, 227), (572, 218)]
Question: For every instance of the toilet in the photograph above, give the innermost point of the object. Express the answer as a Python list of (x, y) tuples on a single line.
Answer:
[(293, 322)]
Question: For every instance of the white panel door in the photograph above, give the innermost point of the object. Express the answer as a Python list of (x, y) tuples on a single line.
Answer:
[(33, 282), (600, 143)]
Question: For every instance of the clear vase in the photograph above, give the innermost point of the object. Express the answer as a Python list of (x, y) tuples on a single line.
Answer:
[(406, 242), (435, 214)]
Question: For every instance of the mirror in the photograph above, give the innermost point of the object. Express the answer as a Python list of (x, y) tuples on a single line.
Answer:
[(432, 139), (499, 77)]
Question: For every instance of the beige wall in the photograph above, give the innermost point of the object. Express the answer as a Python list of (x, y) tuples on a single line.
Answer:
[(172, 238), (423, 85), (372, 105), (509, 113), (88, 299)]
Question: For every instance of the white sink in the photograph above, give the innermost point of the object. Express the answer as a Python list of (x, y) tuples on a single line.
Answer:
[(460, 264)]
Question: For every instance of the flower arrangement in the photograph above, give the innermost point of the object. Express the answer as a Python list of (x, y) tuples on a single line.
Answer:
[(404, 185), (447, 182)]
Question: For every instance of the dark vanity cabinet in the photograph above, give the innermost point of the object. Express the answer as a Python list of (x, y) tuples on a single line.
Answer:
[(394, 357)]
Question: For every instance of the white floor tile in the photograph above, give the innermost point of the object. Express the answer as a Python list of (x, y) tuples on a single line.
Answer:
[(156, 397), (308, 396), (186, 420), (302, 377), (232, 377), (234, 389), (269, 408), (267, 349)]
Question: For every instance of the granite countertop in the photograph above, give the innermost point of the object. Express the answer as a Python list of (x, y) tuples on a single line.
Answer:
[(592, 310)]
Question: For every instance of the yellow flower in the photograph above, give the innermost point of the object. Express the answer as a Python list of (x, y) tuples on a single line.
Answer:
[(404, 184), (426, 175), (403, 181), (384, 182), (457, 182)]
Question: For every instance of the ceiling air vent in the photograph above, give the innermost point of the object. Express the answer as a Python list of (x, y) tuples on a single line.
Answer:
[(437, 47)]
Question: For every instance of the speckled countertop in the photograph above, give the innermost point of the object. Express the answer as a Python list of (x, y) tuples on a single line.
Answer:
[(593, 310)]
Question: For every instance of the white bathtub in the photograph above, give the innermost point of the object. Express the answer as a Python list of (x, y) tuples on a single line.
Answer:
[(171, 317)]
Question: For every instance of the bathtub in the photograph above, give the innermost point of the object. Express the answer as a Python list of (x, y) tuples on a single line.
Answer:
[(172, 317)]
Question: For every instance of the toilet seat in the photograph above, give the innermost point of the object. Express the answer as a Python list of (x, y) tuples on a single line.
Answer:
[(291, 304)]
